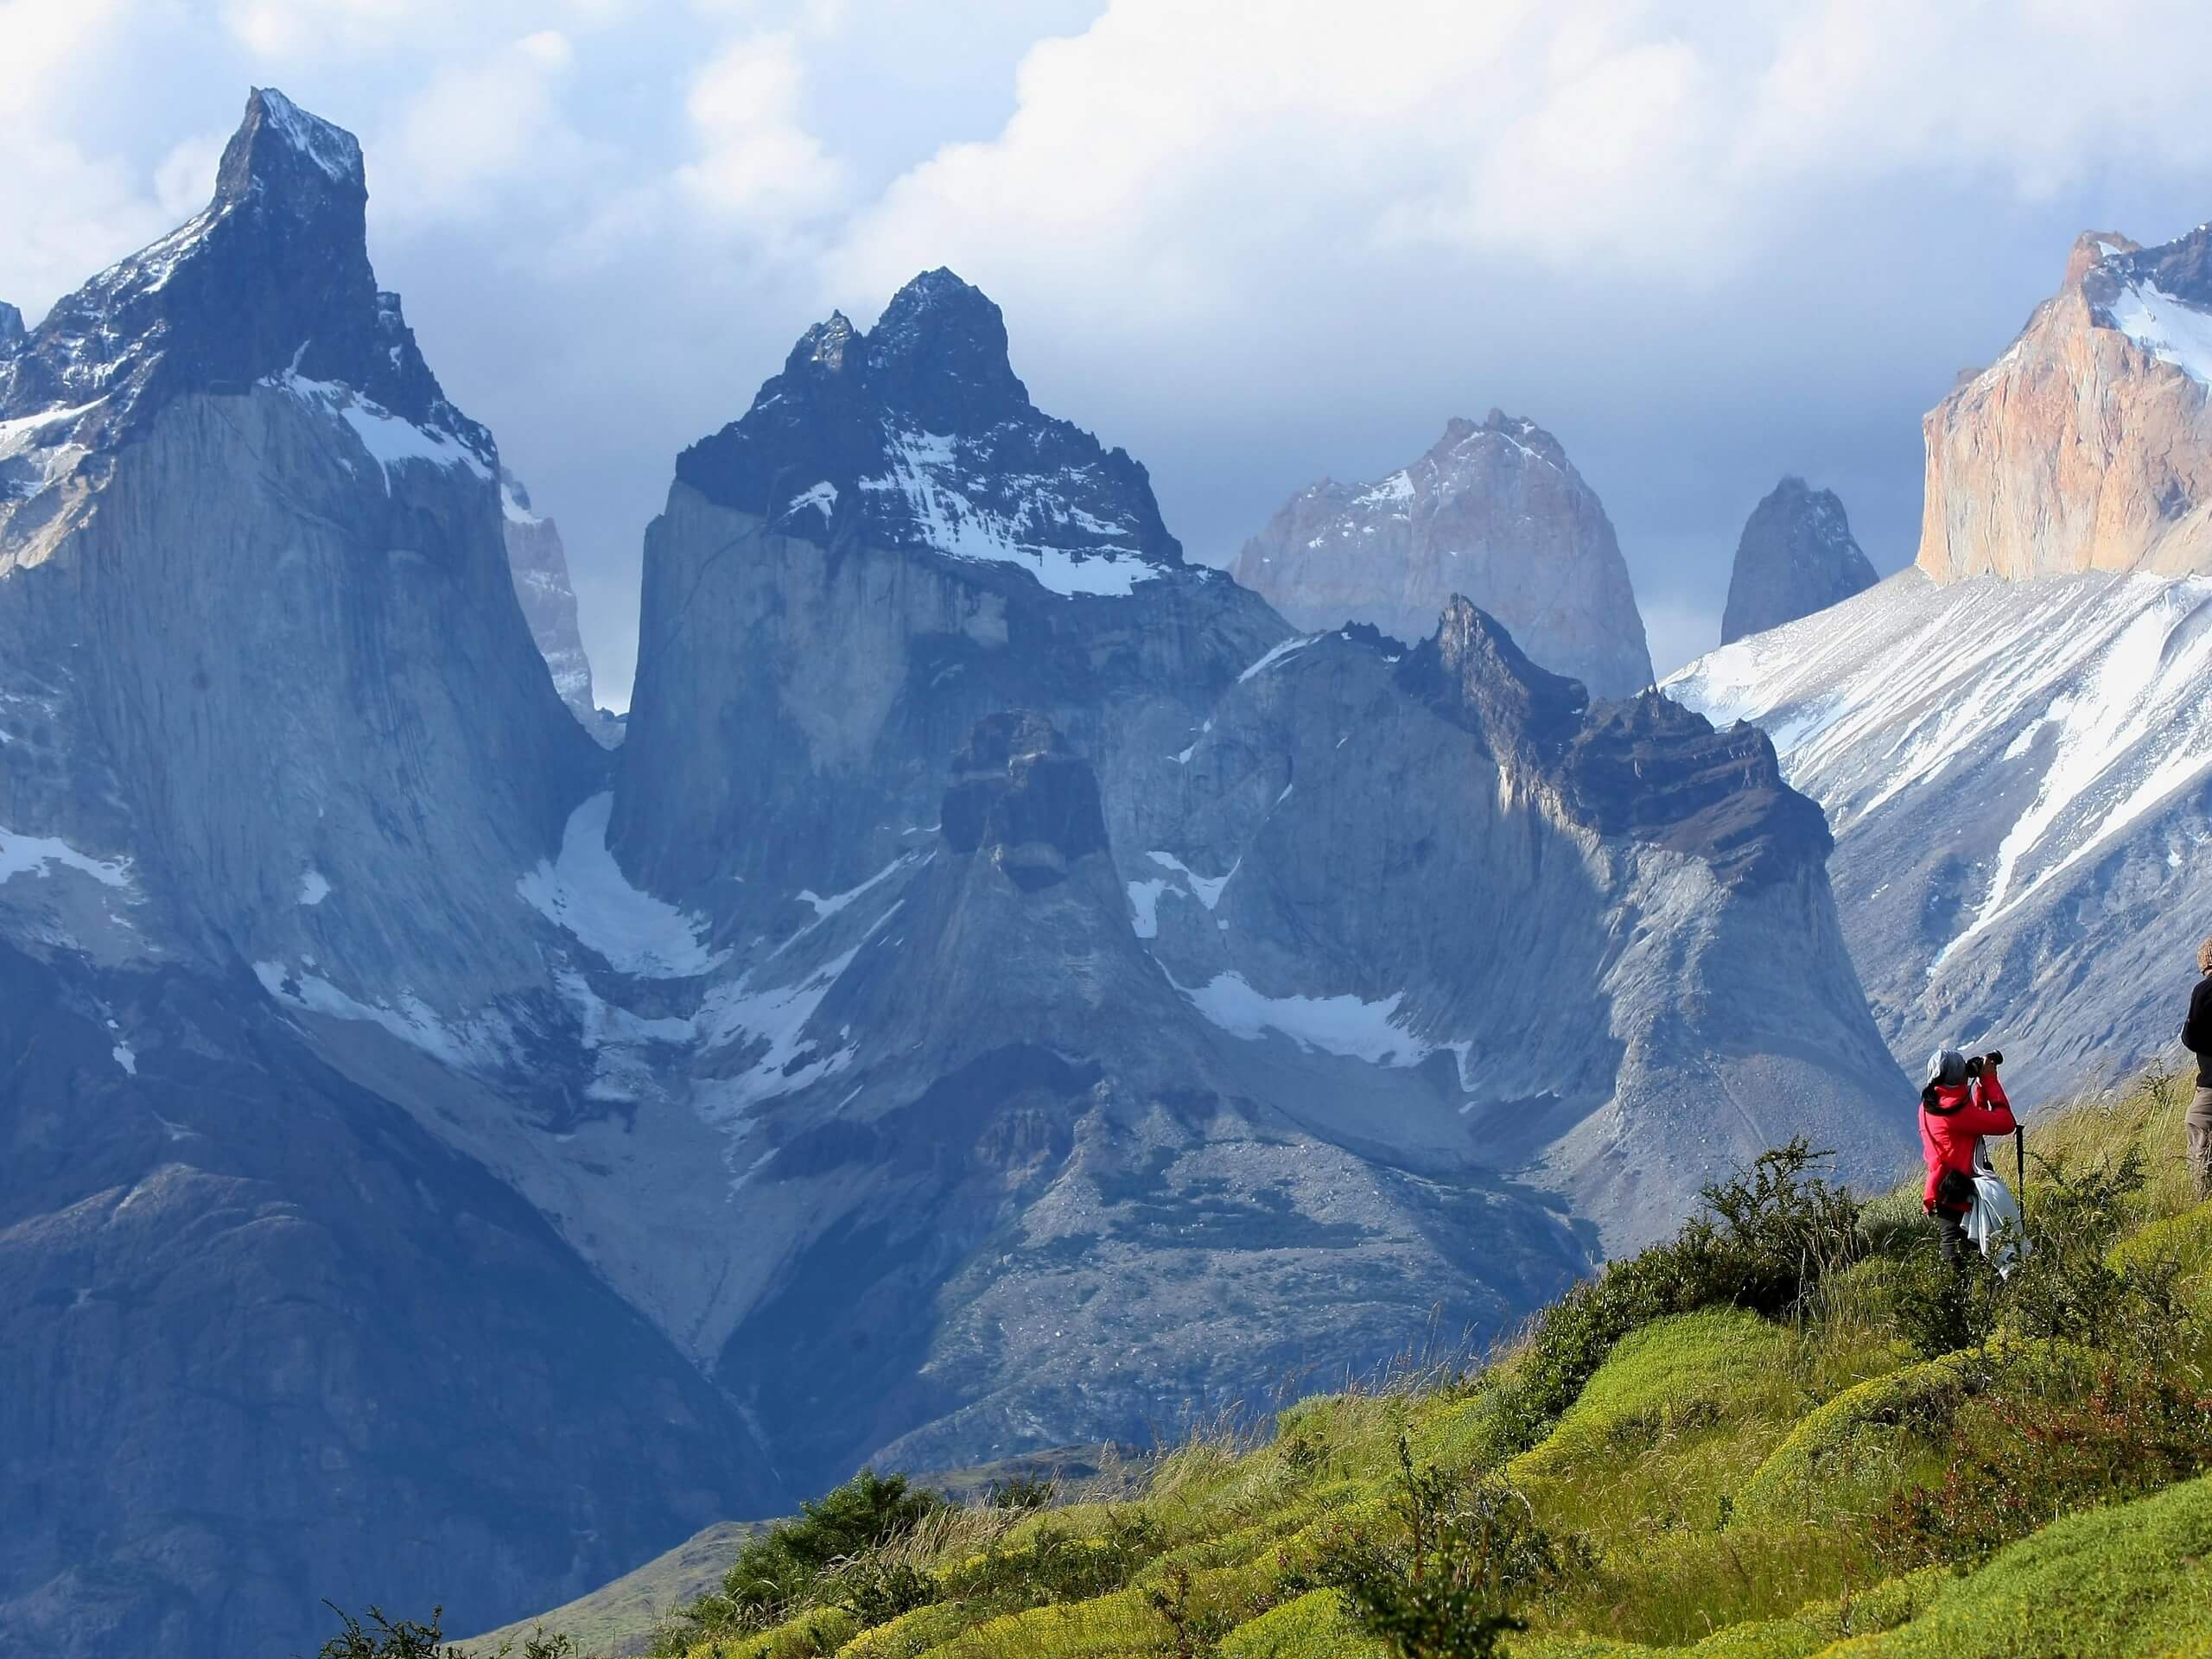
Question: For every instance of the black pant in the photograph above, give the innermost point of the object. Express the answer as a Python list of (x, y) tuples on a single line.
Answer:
[(1951, 1228)]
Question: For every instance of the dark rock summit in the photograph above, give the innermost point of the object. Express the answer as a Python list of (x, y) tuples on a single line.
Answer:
[(271, 280), (1642, 767), (11, 327), (1019, 799), (918, 437), (1797, 556)]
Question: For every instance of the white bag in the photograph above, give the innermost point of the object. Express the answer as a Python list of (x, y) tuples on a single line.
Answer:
[(1993, 1224)]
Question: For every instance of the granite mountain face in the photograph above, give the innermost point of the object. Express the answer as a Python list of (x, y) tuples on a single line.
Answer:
[(2009, 740), (1010, 986), (2088, 445), (1797, 556), (538, 562), (271, 728), (1494, 511)]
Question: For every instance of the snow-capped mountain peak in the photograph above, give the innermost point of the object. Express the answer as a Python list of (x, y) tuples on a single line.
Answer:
[(917, 436), (270, 282)]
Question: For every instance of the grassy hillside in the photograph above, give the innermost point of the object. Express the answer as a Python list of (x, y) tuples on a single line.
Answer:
[(1787, 1432)]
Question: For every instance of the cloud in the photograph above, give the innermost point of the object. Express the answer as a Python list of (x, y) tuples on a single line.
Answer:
[(756, 161), (482, 122), (1175, 140)]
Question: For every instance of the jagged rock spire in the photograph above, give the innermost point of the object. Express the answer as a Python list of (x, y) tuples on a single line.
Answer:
[(271, 278), (918, 435), (1796, 555)]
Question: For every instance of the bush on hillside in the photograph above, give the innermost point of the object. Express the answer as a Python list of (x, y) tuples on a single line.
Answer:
[(815, 1560), (381, 1638), (2038, 1448), (1764, 1238), (1447, 1588), (1052, 1564)]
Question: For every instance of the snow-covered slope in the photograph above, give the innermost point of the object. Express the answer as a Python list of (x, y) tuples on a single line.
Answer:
[(2019, 780)]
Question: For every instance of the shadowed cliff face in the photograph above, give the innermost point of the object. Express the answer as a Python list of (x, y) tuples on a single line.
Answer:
[(1496, 512), (1017, 797), (2088, 445), (1797, 556)]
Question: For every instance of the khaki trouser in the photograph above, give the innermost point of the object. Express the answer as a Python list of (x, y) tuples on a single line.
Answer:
[(2199, 1125)]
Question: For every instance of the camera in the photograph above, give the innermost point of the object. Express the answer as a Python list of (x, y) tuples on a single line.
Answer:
[(1981, 1063)]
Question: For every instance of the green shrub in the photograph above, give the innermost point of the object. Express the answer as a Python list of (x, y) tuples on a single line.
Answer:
[(875, 1592), (380, 1638), (813, 1560), (1685, 1371), (1054, 1564), (1764, 1238), (1918, 1402), (2125, 1582), (1468, 1548), (2039, 1446)]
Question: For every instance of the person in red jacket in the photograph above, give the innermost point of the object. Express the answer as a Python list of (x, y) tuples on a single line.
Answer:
[(1956, 1110)]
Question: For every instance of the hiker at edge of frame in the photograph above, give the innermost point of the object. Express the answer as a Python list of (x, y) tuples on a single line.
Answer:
[(1959, 1105), (2196, 1036)]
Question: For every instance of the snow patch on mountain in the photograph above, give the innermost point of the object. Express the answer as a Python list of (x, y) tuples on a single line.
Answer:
[(1346, 1025), (390, 441), (2170, 329), (1206, 889), (585, 893), (1276, 653), (925, 470), (41, 855)]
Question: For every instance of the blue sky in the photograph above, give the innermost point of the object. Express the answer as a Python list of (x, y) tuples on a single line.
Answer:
[(1704, 244)]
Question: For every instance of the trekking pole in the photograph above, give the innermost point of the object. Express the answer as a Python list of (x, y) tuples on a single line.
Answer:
[(2020, 1164)]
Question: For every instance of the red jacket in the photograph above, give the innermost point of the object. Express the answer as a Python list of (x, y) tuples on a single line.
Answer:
[(1953, 1120)]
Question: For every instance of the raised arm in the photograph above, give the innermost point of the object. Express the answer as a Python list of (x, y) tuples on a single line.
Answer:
[(1987, 1111)]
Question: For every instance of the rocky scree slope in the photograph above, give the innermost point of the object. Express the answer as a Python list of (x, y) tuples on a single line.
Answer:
[(273, 738), (1494, 511), (1796, 555)]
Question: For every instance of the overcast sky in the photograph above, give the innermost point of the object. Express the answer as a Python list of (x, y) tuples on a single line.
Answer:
[(1256, 244)]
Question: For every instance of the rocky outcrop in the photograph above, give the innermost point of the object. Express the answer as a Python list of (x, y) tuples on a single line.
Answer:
[(1018, 799), (1496, 512), (2088, 446), (539, 565), (892, 544), (1796, 556), (11, 327)]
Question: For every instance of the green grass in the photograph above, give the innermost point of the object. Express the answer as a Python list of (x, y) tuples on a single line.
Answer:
[(1716, 1488)]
